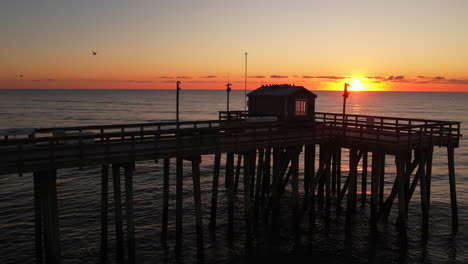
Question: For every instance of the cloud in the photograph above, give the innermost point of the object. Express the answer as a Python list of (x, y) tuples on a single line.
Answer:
[(326, 77), (399, 77), (374, 77), (257, 76), (278, 76), (438, 78), (421, 77), (166, 77), (183, 77), (209, 76)]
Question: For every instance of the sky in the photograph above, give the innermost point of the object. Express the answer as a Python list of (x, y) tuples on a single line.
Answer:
[(376, 45)]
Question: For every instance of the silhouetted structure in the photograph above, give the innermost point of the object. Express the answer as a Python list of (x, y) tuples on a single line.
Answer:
[(277, 145), (284, 101)]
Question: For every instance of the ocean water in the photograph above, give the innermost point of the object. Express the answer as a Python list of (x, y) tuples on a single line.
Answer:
[(323, 239)]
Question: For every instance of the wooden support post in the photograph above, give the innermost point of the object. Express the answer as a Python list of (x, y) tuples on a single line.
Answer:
[(364, 177), (453, 189), (165, 214), (249, 157), (238, 168), (400, 160), (276, 186), (104, 207), (353, 163), (179, 200), (321, 180), (253, 166), (387, 205), (375, 178), (198, 206), (309, 173), (295, 186), (118, 213), (38, 217), (231, 194), (334, 170), (258, 185), (338, 169), (382, 179), (430, 153), (214, 196), (129, 168), (327, 178), (266, 177), (49, 205), (421, 155)]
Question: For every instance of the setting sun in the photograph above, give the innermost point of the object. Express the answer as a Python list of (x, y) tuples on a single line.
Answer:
[(356, 85)]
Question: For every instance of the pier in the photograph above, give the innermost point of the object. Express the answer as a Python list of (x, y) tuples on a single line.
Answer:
[(267, 160)]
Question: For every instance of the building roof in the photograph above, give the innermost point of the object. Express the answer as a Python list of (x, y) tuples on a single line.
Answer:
[(279, 90)]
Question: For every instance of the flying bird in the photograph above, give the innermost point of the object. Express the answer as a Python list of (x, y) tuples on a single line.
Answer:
[(21, 76), (94, 52)]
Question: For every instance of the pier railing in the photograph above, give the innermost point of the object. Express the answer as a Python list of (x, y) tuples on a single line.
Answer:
[(168, 140), (390, 130), (81, 145)]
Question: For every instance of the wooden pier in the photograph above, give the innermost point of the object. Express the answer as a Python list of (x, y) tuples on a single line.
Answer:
[(267, 160)]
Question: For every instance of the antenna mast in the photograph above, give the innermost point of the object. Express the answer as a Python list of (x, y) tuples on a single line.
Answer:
[(245, 84)]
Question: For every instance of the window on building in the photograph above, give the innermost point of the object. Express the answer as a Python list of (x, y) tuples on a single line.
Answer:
[(301, 107)]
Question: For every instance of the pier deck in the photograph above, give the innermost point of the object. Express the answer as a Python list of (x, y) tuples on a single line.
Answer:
[(91, 145)]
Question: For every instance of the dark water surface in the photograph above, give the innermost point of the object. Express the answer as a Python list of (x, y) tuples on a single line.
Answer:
[(323, 239)]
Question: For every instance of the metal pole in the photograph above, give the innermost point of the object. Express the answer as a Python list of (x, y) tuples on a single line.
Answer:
[(177, 99), (345, 96), (245, 84), (228, 90)]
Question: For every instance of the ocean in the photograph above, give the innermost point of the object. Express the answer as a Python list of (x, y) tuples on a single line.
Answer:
[(321, 240)]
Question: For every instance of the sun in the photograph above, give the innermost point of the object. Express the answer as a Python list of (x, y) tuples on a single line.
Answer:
[(356, 85)]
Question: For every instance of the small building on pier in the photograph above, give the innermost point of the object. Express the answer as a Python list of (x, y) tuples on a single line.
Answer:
[(284, 101)]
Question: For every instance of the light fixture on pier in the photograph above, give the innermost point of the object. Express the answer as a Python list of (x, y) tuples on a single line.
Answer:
[(177, 103), (345, 96)]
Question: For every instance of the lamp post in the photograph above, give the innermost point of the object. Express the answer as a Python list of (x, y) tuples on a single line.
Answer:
[(228, 90), (177, 99), (345, 96)]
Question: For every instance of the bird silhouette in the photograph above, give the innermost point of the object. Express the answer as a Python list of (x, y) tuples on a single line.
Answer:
[(21, 76), (94, 52)]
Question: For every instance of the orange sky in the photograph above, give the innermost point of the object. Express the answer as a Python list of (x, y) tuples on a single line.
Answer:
[(377, 45)]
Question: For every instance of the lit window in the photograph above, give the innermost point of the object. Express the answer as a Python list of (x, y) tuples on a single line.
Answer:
[(301, 107)]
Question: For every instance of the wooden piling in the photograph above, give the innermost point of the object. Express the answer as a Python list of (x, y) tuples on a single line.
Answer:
[(453, 188), (238, 168), (353, 163), (338, 169), (38, 217), (179, 200), (400, 160), (421, 155), (375, 178), (198, 206), (50, 217), (214, 195), (104, 207), (165, 213), (266, 177), (231, 194), (334, 170), (295, 185), (249, 157), (364, 177), (258, 185), (118, 213), (129, 168), (382, 179)]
